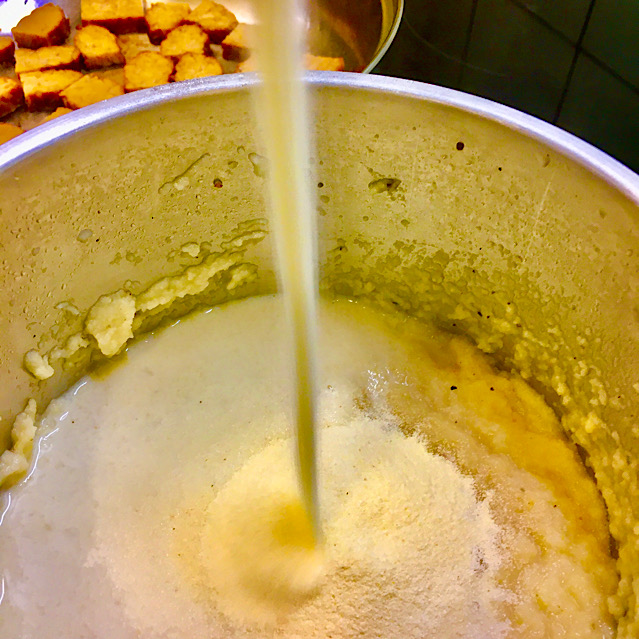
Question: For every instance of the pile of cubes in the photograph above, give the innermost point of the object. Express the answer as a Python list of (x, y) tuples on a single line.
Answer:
[(119, 47)]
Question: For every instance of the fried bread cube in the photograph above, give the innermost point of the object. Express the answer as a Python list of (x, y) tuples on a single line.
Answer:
[(322, 63), (217, 21), (98, 46), (163, 17), (118, 16), (133, 43), (147, 69), (57, 57), (9, 131), (7, 49), (90, 89), (42, 89), (234, 46), (188, 38), (57, 113), (45, 26), (11, 96), (115, 75), (196, 65)]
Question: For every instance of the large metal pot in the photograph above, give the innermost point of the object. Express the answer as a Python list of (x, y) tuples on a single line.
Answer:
[(478, 217)]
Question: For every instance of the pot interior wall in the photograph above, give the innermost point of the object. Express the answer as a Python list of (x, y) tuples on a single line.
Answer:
[(422, 206)]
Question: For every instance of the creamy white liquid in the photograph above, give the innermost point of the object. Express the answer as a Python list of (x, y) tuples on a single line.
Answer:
[(283, 113), (147, 477)]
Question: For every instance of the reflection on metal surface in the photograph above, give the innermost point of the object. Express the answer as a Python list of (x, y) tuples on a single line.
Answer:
[(360, 32)]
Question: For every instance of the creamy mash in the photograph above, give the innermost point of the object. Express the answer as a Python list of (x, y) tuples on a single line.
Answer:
[(163, 499)]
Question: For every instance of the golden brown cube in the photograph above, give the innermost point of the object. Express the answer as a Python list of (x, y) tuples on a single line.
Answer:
[(9, 131), (7, 49), (215, 20), (196, 65), (162, 17), (118, 16), (98, 46), (321, 63), (235, 46), (57, 113), (133, 43), (185, 39), (43, 27), (147, 69), (11, 96), (58, 57), (43, 89), (115, 75), (88, 90)]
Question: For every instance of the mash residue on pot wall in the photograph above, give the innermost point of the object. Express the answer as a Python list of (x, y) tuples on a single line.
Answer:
[(439, 287)]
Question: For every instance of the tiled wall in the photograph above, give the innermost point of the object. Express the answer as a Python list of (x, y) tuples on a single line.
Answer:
[(572, 62)]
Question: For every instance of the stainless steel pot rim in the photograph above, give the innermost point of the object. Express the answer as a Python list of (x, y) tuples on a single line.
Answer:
[(388, 40), (600, 163)]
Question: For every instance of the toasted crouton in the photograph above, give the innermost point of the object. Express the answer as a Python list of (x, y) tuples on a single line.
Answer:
[(235, 46), (43, 27), (163, 17), (321, 63), (98, 46), (57, 113), (217, 21), (9, 131), (90, 89), (7, 48), (115, 75), (147, 69), (59, 57), (42, 89), (118, 16), (185, 39), (196, 65), (133, 43), (11, 96)]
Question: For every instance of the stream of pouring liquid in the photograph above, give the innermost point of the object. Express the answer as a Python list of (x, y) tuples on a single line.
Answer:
[(283, 114)]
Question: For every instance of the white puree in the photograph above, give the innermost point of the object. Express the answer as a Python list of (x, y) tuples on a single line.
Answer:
[(447, 512)]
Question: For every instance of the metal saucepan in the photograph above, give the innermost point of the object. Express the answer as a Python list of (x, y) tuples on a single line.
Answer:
[(446, 205)]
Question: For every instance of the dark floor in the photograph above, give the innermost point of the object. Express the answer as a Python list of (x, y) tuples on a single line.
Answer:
[(571, 62)]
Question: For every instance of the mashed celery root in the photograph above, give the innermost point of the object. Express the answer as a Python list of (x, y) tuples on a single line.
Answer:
[(163, 503)]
